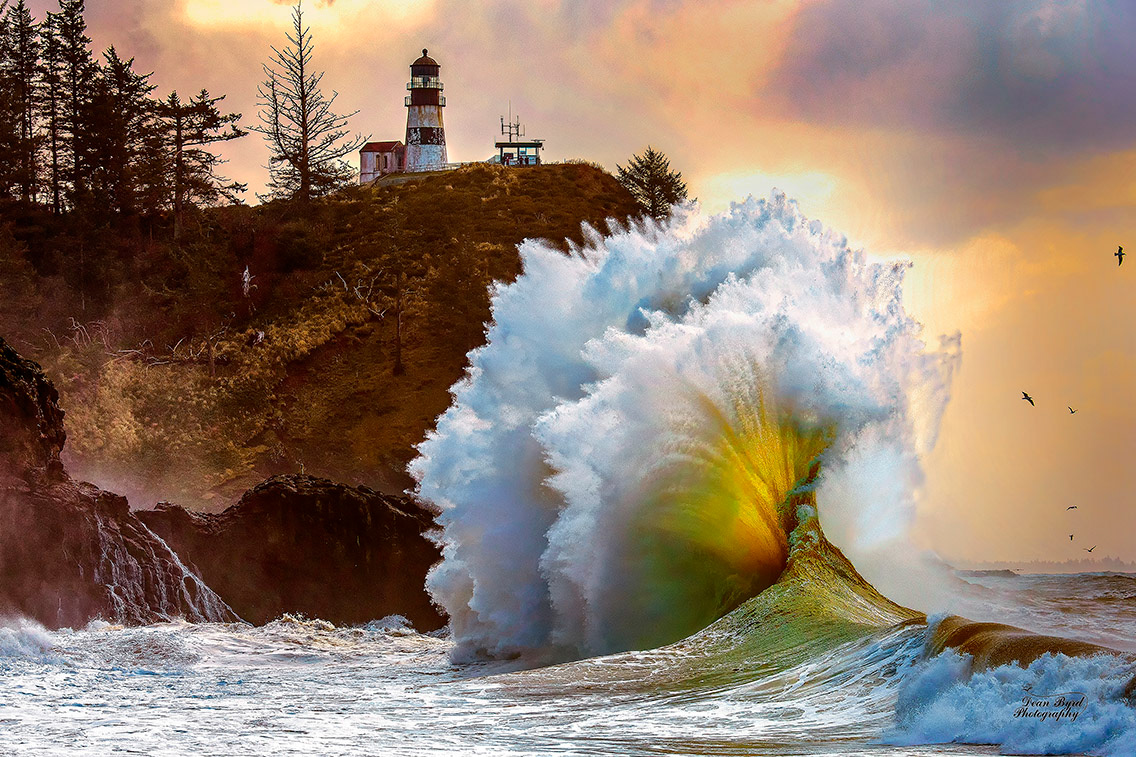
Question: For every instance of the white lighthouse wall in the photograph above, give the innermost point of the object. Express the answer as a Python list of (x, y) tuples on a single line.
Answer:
[(424, 115), (424, 157)]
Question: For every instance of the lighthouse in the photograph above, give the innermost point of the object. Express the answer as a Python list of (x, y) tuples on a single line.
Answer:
[(425, 135)]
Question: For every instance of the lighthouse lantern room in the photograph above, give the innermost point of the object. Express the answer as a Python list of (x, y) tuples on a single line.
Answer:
[(425, 133)]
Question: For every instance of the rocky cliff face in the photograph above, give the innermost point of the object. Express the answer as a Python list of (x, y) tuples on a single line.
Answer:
[(31, 423), (70, 552), (299, 544)]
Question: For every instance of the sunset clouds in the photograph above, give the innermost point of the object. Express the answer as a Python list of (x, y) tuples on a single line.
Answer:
[(995, 142), (1037, 75)]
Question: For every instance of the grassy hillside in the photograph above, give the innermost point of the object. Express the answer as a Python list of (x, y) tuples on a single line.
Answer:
[(180, 383)]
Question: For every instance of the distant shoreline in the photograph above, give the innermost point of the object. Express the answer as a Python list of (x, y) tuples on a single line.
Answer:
[(1103, 565)]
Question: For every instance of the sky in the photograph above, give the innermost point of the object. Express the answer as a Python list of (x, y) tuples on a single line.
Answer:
[(992, 143)]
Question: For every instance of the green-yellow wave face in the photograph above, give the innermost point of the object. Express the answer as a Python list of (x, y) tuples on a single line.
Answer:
[(711, 528)]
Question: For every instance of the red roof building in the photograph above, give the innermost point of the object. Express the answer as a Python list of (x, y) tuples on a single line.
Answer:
[(380, 158)]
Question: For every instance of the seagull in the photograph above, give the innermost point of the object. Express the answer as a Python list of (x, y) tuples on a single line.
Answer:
[(1119, 255), (1090, 549), (1028, 398), (1071, 410), (1070, 537), (1071, 507)]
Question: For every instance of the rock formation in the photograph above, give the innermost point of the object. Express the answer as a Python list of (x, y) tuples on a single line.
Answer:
[(70, 552), (299, 544)]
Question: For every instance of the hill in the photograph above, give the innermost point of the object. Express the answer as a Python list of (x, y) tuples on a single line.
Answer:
[(264, 341)]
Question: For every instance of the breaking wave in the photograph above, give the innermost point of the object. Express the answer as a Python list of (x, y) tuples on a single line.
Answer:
[(623, 462), (21, 637), (640, 459)]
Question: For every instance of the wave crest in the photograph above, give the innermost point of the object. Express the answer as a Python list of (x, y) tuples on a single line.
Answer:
[(615, 467)]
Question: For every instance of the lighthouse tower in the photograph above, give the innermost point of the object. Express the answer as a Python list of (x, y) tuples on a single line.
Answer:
[(425, 135)]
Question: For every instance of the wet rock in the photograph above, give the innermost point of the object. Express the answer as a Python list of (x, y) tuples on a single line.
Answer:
[(70, 552), (300, 544), (31, 422)]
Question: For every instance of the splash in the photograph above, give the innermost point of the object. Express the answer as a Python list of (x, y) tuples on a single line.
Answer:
[(1055, 705), (617, 467), (22, 637)]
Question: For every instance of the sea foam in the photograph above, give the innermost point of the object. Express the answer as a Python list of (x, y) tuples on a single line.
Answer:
[(635, 360), (21, 637), (1056, 705)]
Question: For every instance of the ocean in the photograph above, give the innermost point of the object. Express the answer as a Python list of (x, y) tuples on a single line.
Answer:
[(305, 687), (630, 485)]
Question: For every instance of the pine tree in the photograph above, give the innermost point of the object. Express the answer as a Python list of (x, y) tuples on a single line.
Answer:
[(652, 183), (51, 79), (151, 169), (72, 73), (9, 119), (113, 126), (190, 128), (22, 46), (306, 138)]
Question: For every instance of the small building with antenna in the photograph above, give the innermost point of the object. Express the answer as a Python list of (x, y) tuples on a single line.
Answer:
[(425, 147), (515, 150)]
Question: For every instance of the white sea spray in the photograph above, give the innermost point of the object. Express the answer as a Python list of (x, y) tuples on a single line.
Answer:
[(581, 395)]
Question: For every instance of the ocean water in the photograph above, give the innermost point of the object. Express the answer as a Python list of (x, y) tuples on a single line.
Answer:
[(631, 482), (305, 687), (620, 465), (1095, 607)]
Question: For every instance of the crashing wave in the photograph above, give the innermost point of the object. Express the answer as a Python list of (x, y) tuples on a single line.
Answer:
[(616, 469)]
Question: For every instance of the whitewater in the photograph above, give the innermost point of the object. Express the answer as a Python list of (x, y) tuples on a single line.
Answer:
[(305, 687), (675, 492)]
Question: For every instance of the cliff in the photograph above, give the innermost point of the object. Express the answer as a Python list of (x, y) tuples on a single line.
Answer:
[(70, 552), (182, 384), (298, 544)]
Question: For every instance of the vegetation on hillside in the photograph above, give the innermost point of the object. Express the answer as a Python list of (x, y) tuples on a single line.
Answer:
[(92, 166), (259, 343), (200, 348), (655, 186)]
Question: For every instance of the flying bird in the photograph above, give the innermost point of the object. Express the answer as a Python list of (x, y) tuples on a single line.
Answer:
[(1071, 410), (1119, 255), (1028, 398), (1090, 549), (1071, 507)]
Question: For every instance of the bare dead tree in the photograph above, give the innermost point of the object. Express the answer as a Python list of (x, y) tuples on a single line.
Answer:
[(307, 139)]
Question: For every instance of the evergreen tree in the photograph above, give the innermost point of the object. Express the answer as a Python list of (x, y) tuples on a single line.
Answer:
[(117, 117), (51, 79), (652, 183), (306, 138), (190, 128), (150, 173), (9, 119), (73, 73), (21, 44)]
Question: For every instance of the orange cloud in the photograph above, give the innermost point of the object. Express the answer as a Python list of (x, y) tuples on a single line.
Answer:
[(991, 141)]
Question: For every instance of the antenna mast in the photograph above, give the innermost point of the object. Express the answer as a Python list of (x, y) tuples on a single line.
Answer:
[(512, 129)]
